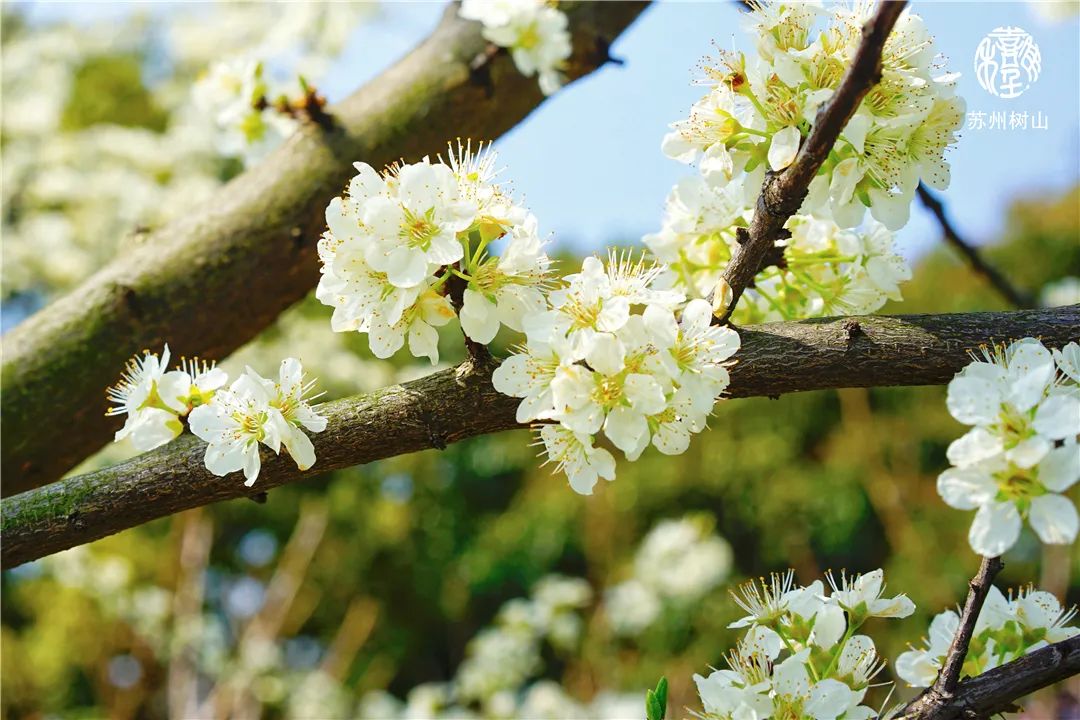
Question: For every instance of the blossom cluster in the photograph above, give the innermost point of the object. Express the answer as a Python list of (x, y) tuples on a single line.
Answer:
[(542, 699), (801, 656), (232, 419), (754, 118), (1006, 629), (75, 182), (679, 563), (613, 353), (760, 108), (820, 269), (397, 242), (502, 657), (534, 31), (239, 97), (1021, 455)]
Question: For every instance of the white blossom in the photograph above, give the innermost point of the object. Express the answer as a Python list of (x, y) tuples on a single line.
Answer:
[(1006, 629), (154, 398), (396, 242), (801, 656), (535, 33), (254, 410), (613, 354), (1021, 455)]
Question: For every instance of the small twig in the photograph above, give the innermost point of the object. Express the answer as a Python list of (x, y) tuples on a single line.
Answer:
[(938, 696), (1018, 298), (782, 193)]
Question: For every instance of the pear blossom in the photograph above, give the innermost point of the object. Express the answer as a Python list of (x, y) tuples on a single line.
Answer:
[(821, 268), (252, 411), (759, 106), (507, 289), (1006, 629), (154, 398), (574, 454), (418, 323), (536, 34), (801, 655), (594, 363), (234, 425), (1062, 292), (234, 93), (861, 597), (415, 226), (1021, 455), (291, 412), (397, 243)]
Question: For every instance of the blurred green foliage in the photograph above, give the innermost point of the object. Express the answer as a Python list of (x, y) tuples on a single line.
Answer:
[(435, 542), (110, 89)]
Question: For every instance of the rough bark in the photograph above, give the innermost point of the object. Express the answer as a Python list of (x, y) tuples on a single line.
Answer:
[(460, 403), (212, 280), (783, 192), (997, 690)]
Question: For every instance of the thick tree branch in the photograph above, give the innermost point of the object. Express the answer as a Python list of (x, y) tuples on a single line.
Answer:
[(932, 704), (997, 691), (210, 281), (783, 193), (1017, 298), (454, 405)]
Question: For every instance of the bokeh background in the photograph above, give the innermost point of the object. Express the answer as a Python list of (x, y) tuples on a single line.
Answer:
[(375, 579)]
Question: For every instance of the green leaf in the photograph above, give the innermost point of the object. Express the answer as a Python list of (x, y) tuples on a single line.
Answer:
[(656, 701)]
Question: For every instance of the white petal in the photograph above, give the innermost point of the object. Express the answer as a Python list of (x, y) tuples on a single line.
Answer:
[(672, 438), (976, 445), (512, 376), (1031, 368), (1054, 519), (251, 464), (973, 400), (290, 374), (1027, 453), (829, 699), (606, 354), (478, 318), (151, 428), (917, 668), (784, 148), (966, 488), (625, 427), (829, 626), (644, 393), (224, 459), (300, 448), (384, 341), (995, 529), (424, 341), (406, 267), (1058, 417), (1060, 469), (174, 389), (1068, 360)]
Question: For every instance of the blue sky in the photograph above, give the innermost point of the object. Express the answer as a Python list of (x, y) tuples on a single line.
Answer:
[(588, 161)]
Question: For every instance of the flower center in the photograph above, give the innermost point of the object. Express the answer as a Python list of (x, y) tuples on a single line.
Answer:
[(418, 230)]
